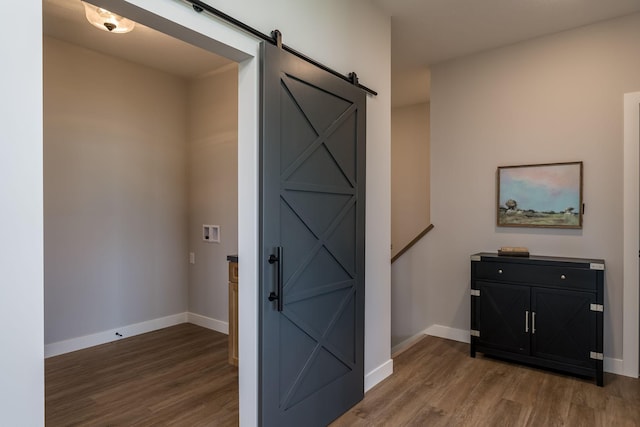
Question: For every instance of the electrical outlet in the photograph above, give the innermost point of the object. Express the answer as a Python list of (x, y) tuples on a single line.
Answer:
[(192, 257)]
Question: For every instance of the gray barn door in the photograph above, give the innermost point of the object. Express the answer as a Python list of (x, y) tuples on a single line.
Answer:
[(312, 243)]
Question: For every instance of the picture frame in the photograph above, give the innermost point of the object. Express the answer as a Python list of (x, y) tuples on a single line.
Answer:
[(540, 195)]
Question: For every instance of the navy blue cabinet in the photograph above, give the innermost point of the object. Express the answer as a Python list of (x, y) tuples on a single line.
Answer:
[(545, 311)]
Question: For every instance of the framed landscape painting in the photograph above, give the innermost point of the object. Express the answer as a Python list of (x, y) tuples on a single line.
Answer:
[(548, 195)]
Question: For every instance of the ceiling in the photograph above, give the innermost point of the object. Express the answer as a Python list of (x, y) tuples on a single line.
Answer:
[(423, 32), (65, 20)]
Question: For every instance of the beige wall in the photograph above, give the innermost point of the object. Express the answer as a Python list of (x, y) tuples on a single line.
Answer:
[(213, 187), (409, 213), (136, 161), (553, 99), (114, 192), (409, 174)]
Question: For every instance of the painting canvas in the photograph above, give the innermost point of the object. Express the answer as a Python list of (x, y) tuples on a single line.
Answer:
[(548, 195)]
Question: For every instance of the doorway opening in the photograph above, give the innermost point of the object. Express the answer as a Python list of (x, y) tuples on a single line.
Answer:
[(122, 157)]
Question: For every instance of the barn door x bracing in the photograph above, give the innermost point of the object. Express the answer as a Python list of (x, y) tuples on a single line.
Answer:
[(312, 243)]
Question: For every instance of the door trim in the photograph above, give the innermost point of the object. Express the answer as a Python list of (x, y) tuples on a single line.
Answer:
[(631, 234), (179, 20)]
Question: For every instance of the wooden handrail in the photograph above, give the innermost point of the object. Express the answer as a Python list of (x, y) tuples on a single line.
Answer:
[(413, 242)]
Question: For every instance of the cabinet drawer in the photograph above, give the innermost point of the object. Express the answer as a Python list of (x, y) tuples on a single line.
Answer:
[(574, 278)]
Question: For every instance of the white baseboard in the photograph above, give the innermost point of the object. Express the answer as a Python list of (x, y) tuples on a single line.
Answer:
[(406, 344), (377, 375), (614, 366), (208, 322), (611, 365), (73, 344), (460, 335), (439, 331)]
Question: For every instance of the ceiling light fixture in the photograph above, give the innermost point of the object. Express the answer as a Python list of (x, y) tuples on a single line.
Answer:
[(107, 21)]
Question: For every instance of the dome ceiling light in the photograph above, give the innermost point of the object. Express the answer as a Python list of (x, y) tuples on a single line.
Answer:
[(107, 21)]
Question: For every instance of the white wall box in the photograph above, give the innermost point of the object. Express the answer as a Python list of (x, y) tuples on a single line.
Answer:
[(211, 233)]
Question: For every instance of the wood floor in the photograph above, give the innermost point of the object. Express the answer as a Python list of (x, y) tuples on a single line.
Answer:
[(437, 383), (179, 376)]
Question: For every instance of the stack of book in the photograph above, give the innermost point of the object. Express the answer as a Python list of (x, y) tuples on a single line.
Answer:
[(513, 251)]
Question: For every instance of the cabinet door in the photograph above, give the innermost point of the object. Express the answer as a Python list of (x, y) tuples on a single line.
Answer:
[(563, 326), (233, 323), (503, 317)]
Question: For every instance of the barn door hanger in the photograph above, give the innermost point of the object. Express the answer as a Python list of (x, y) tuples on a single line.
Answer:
[(277, 38)]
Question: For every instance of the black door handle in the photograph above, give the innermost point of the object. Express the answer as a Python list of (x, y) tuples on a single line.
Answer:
[(278, 295)]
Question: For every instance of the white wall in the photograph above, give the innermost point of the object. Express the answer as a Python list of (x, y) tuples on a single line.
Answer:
[(21, 271), (409, 175), (552, 99), (213, 187), (631, 245), (115, 192)]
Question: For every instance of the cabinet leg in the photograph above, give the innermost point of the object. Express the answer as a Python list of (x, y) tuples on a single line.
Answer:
[(472, 349), (600, 375)]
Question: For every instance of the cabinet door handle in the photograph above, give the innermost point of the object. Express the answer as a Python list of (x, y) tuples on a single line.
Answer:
[(562, 276), (500, 271), (526, 321), (533, 322)]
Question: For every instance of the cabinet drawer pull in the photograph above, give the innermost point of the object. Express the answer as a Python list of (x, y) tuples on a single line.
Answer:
[(533, 322), (500, 271), (562, 276), (526, 321)]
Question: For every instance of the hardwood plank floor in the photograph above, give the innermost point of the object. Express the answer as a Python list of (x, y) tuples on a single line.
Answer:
[(436, 383), (179, 376)]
